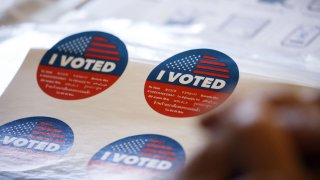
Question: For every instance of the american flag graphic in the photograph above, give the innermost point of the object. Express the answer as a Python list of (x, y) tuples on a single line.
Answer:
[(42, 131), (152, 148), (95, 47), (201, 64)]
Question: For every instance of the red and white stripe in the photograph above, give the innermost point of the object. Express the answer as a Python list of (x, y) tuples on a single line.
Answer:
[(101, 48), (210, 66)]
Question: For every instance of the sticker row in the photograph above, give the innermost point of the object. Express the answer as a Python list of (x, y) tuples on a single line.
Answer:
[(186, 84), (34, 142)]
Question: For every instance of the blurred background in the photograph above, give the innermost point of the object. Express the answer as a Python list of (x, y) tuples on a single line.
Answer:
[(274, 39)]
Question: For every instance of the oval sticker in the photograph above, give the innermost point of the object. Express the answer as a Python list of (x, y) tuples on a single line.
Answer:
[(33, 142), (191, 83), (82, 65), (138, 157)]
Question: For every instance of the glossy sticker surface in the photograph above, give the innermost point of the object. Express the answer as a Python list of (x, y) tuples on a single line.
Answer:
[(140, 157), (191, 83), (82, 65), (33, 142)]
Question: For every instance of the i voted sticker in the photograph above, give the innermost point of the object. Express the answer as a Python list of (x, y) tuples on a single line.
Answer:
[(33, 142), (191, 83), (138, 157), (82, 65)]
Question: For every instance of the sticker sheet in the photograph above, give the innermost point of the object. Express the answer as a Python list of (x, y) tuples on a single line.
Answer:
[(83, 110), (50, 136)]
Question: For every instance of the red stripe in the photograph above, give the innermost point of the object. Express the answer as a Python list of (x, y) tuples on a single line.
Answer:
[(103, 51), (209, 57), (46, 139), (156, 156), (101, 57), (45, 124), (103, 45), (159, 146), (156, 141), (211, 74), (48, 129), (212, 63), (96, 38), (47, 134), (212, 68), (158, 151)]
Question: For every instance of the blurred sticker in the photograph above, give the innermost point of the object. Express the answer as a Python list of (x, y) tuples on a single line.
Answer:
[(139, 157), (191, 83), (82, 65), (33, 142)]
